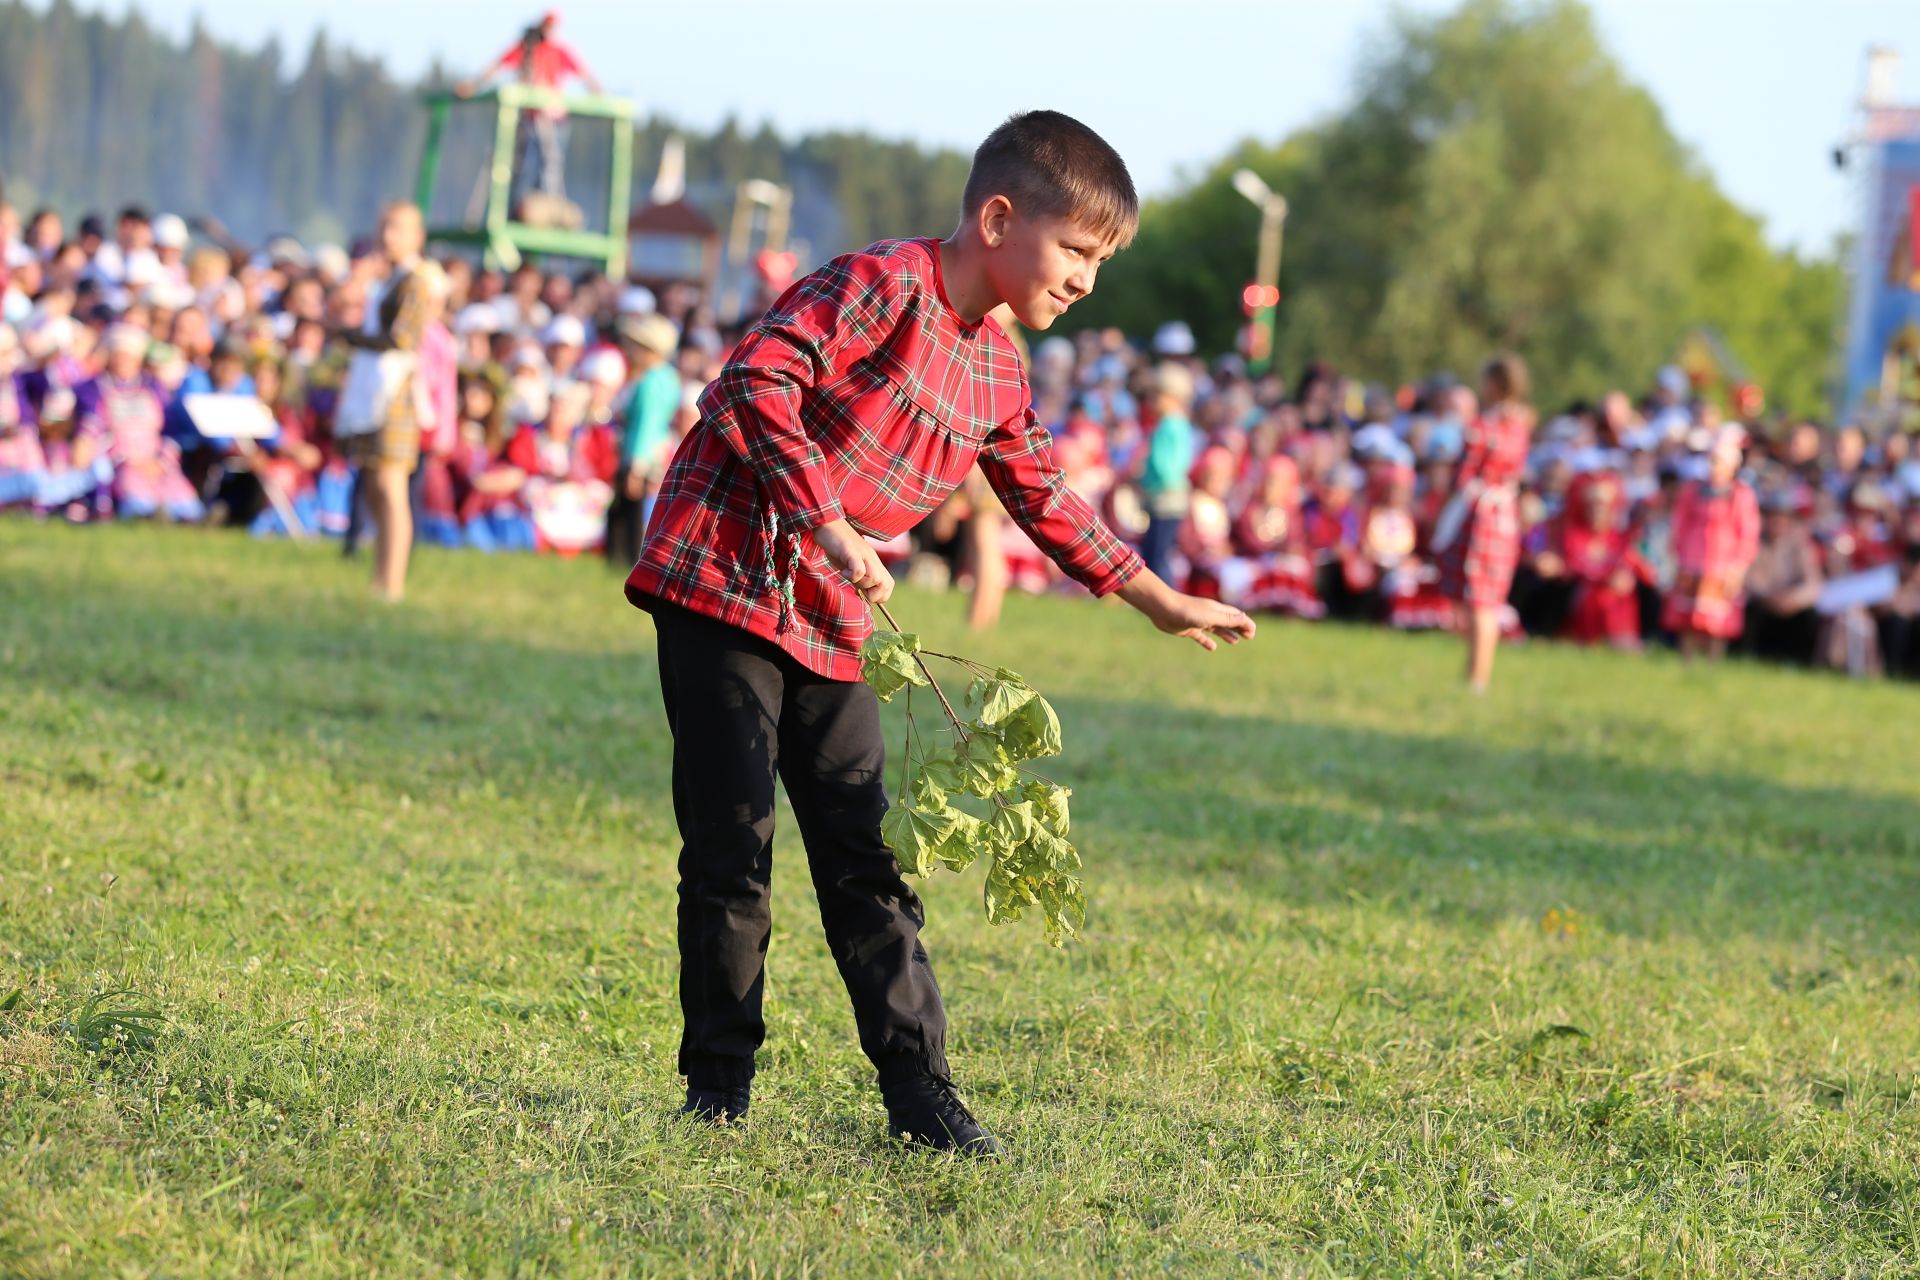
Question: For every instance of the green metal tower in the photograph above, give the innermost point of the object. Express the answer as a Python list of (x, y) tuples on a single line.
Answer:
[(503, 240)]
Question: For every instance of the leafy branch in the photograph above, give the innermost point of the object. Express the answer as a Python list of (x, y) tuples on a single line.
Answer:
[(1023, 837)]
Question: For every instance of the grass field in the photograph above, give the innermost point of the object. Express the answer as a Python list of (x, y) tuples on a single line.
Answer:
[(1615, 972)]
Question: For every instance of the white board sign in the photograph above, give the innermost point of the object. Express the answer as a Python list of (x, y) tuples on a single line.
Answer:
[(1858, 590), (230, 417)]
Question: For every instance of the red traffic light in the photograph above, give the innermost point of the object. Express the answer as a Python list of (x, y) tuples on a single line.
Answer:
[(1256, 296)]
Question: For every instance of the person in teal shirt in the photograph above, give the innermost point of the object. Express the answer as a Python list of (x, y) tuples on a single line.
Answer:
[(649, 342), (1170, 456)]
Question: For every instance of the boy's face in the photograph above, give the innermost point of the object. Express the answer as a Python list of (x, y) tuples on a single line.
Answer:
[(1039, 265)]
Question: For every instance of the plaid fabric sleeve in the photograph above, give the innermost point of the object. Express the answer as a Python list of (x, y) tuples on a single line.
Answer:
[(823, 324), (1018, 462)]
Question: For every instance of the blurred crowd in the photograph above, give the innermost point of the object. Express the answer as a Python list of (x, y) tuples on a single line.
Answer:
[(1644, 517), (551, 402), (530, 385)]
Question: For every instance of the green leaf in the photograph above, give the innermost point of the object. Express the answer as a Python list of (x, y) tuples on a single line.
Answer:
[(926, 793), (964, 843), (985, 767), (942, 768), (887, 663), (1012, 825), (1052, 852), (913, 834), (1049, 804), (1032, 731), (998, 696), (1003, 897)]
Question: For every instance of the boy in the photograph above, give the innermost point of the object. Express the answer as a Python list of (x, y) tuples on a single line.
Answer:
[(851, 410)]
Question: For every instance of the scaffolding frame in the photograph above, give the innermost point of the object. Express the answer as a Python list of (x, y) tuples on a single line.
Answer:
[(503, 241)]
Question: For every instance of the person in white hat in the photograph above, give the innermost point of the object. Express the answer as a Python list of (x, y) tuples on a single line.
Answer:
[(565, 341), (475, 327), (638, 300), (170, 241), (603, 372), (1174, 339), (529, 387), (331, 262), (649, 342)]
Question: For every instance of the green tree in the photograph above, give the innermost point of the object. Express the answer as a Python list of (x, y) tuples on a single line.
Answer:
[(1498, 184)]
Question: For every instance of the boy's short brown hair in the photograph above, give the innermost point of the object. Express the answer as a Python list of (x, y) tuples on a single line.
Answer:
[(1051, 165)]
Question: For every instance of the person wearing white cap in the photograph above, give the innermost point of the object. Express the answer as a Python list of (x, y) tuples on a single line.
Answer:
[(1716, 535), (170, 249), (638, 300), (48, 334), (1173, 339), (565, 339), (331, 262), (475, 327), (649, 342), (603, 372), (529, 390), (603, 367)]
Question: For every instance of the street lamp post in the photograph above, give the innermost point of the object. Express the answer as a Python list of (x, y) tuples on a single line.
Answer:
[(1273, 218)]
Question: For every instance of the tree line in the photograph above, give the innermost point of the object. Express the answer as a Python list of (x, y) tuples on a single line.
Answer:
[(98, 112), (1497, 182)]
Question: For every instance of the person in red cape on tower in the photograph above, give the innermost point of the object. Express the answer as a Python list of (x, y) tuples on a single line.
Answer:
[(544, 61), (853, 408)]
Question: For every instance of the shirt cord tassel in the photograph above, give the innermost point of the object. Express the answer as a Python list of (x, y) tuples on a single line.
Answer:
[(779, 584)]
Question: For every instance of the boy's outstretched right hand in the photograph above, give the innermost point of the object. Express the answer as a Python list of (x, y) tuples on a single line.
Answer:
[(856, 560), (1203, 621)]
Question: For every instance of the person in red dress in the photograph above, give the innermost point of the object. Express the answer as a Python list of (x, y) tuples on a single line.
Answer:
[(855, 406), (566, 468), (1479, 536), (1597, 552), (1270, 532), (1716, 535)]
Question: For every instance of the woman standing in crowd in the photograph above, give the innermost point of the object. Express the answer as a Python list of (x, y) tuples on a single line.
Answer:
[(1716, 534), (395, 322), (1480, 535)]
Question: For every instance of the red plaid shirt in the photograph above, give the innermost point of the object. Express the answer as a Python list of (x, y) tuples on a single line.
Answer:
[(859, 394)]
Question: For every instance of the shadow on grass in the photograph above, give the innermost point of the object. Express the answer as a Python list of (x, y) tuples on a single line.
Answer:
[(1270, 813)]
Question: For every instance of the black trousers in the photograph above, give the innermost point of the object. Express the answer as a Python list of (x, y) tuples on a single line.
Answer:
[(741, 710)]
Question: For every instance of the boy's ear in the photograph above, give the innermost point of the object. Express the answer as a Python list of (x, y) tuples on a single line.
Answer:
[(996, 212)]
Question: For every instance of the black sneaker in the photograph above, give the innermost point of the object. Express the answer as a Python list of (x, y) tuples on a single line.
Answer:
[(926, 1111), (718, 1106)]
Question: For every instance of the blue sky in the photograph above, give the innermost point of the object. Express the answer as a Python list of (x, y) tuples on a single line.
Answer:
[(1761, 89)]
